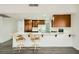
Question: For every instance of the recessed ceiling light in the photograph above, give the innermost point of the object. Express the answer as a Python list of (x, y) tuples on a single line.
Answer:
[(33, 5)]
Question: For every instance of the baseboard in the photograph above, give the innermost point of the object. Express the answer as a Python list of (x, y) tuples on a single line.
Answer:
[(76, 48), (44, 46)]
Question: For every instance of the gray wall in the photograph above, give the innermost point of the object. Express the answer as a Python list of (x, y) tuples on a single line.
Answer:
[(7, 28)]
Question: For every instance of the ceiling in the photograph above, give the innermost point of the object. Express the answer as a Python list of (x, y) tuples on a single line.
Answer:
[(23, 10)]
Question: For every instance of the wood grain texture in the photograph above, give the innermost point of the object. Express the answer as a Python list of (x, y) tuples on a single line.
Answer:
[(61, 20)]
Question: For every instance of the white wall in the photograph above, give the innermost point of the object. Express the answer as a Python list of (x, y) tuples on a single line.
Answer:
[(76, 29), (7, 28)]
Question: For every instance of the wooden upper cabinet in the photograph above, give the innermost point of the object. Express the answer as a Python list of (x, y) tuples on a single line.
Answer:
[(28, 25), (52, 23), (61, 21), (35, 23), (41, 22)]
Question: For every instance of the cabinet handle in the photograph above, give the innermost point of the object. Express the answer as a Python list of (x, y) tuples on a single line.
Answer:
[(55, 35)]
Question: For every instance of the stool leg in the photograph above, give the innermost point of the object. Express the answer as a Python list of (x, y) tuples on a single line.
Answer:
[(20, 48)]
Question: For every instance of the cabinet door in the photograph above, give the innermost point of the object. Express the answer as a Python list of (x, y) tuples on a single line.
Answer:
[(62, 20), (28, 25), (41, 22), (35, 23)]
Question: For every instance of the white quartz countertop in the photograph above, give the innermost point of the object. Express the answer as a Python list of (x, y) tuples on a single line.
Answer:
[(45, 33)]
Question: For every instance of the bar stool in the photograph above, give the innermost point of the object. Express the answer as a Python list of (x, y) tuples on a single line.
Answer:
[(20, 40), (35, 38)]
